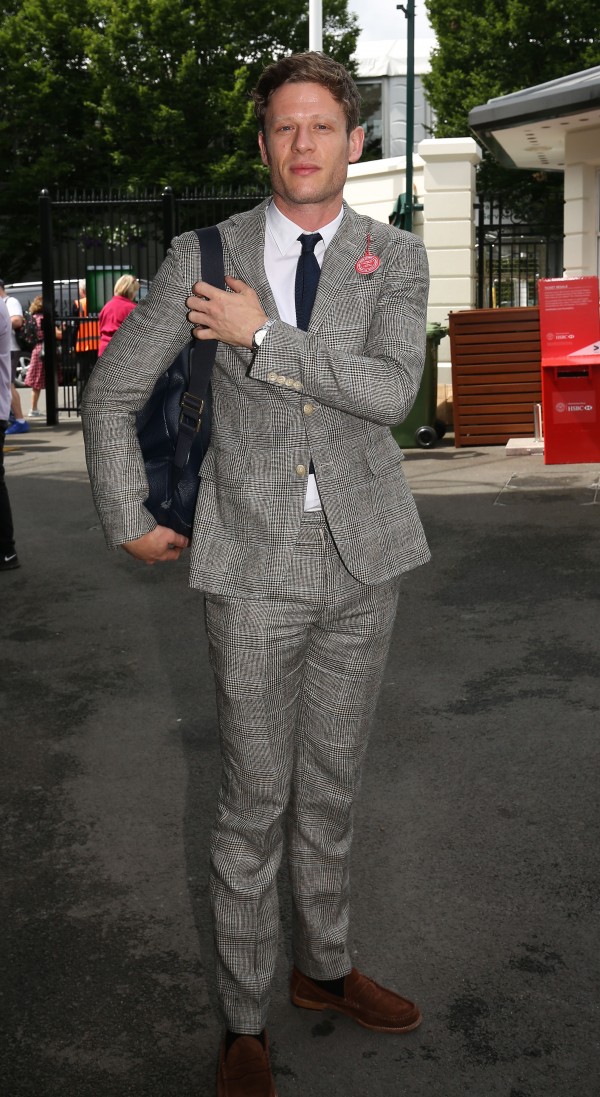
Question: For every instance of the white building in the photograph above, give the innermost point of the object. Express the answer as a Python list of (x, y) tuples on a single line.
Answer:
[(382, 83), (555, 127)]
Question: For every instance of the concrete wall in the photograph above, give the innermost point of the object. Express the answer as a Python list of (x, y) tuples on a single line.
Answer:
[(444, 183), (582, 202), (373, 187)]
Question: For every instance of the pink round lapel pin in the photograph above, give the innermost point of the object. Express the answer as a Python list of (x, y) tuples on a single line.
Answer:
[(367, 262)]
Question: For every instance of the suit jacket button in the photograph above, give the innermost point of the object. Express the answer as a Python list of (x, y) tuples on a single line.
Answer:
[(271, 377), (308, 409), (301, 470)]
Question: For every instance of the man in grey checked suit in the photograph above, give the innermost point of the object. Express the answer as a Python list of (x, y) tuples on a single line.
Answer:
[(304, 525)]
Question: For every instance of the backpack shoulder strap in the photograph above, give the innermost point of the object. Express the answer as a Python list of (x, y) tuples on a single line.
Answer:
[(211, 250), (201, 353)]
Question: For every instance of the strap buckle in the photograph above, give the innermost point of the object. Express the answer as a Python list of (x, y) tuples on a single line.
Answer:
[(191, 411)]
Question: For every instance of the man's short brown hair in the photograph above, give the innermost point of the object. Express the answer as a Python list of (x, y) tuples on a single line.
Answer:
[(309, 68)]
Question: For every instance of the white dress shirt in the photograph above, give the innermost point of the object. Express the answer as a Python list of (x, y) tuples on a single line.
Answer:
[(282, 251)]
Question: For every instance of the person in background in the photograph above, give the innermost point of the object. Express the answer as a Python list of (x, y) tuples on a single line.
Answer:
[(15, 313), (35, 378), (86, 340), (8, 556), (117, 309)]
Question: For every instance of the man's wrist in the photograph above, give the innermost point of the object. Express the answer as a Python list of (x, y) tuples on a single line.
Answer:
[(260, 334)]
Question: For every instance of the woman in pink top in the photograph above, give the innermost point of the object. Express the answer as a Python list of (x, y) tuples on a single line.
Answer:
[(114, 312)]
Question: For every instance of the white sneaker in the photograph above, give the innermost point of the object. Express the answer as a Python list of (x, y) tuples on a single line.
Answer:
[(34, 414)]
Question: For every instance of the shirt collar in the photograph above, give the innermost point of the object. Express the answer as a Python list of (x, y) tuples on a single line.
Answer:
[(285, 233)]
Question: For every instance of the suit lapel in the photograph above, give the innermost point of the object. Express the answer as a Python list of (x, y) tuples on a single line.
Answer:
[(346, 247), (244, 239)]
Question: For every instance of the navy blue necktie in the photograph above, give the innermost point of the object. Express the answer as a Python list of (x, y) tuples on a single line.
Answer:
[(307, 279)]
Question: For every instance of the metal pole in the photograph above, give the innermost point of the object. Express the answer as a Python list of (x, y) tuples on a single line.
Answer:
[(315, 25), (409, 13), (168, 207), (481, 252), (48, 307)]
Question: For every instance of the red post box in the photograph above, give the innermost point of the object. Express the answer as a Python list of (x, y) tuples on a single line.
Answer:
[(570, 343)]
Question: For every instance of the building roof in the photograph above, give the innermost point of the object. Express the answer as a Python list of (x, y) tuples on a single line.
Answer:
[(527, 128), (387, 57)]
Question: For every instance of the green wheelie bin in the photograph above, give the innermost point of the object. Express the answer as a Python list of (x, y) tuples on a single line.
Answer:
[(421, 427)]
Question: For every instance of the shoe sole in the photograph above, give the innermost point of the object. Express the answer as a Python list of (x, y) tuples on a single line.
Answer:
[(304, 1003)]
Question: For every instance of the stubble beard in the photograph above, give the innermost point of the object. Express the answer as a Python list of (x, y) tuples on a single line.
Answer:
[(323, 193)]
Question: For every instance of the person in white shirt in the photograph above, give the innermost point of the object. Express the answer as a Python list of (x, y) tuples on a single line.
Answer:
[(304, 526), (15, 313), (8, 556)]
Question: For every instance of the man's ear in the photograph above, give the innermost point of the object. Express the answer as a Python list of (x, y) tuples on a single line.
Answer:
[(262, 144), (356, 141)]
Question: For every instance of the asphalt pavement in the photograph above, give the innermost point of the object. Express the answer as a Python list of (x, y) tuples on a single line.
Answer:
[(475, 867)]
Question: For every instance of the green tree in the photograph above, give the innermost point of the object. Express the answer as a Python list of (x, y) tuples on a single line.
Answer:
[(488, 48), (129, 93), (175, 105), (47, 132)]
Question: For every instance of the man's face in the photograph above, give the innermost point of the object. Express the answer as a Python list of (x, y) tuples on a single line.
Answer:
[(307, 148)]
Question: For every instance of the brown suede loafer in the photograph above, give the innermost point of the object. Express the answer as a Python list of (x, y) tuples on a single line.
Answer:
[(245, 1071), (372, 1006)]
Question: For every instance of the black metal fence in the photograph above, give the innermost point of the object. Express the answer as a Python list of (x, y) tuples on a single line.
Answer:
[(97, 236), (511, 256)]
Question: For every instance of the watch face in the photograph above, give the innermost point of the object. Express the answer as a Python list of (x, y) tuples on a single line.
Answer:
[(259, 335)]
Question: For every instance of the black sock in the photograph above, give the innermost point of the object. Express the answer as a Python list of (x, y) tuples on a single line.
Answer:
[(332, 986), (231, 1037)]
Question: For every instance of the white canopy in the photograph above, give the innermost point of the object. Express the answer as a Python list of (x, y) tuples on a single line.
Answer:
[(387, 57)]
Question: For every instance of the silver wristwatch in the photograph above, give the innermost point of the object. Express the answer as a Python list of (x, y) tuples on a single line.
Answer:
[(259, 334)]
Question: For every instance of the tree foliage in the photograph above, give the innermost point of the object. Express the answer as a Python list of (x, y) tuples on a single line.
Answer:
[(136, 93), (488, 48)]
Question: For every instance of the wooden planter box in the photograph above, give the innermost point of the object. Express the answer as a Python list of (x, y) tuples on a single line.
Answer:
[(496, 374)]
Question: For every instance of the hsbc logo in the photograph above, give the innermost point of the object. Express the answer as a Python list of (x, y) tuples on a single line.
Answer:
[(573, 408)]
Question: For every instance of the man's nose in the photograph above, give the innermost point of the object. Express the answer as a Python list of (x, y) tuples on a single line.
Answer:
[(304, 138)]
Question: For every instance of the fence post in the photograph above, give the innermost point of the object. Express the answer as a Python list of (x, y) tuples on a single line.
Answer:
[(48, 307), (168, 204)]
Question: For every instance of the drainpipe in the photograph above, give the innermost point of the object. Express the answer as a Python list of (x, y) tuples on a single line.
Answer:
[(409, 14)]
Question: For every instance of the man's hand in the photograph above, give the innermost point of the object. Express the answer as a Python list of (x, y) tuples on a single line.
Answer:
[(231, 317), (160, 544)]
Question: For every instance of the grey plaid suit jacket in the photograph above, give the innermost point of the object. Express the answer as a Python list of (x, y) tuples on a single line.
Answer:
[(331, 393)]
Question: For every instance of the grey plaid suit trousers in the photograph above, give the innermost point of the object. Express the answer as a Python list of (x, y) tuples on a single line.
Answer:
[(298, 675)]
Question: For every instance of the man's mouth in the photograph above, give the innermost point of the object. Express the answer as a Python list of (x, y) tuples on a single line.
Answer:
[(304, 169)]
